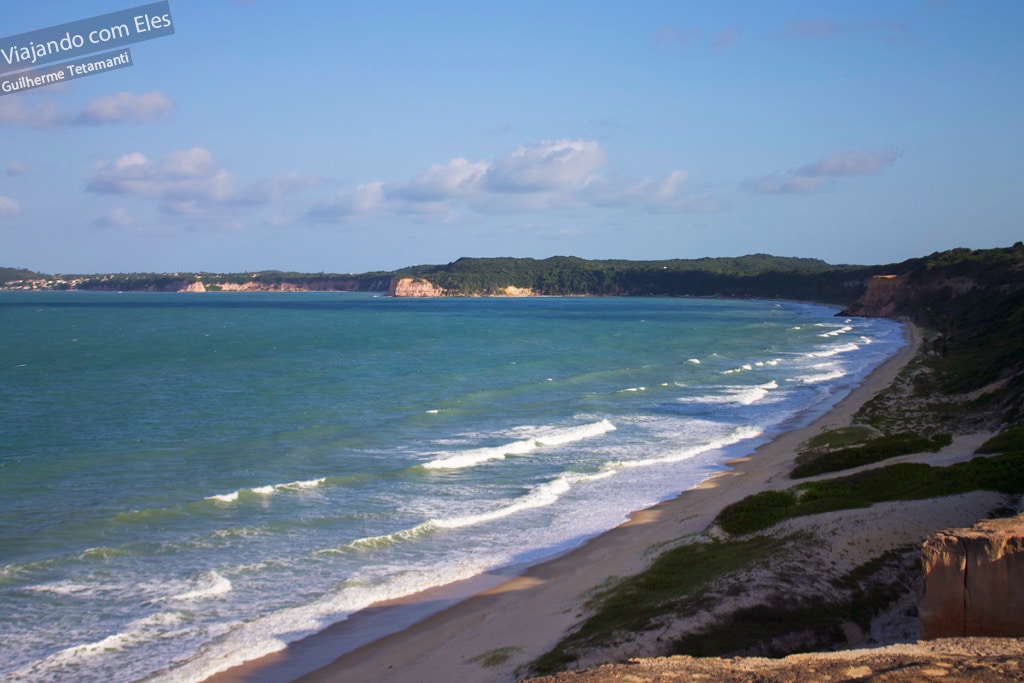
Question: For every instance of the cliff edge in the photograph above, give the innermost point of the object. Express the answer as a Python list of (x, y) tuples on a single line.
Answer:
[(413, 287), (972, 580)]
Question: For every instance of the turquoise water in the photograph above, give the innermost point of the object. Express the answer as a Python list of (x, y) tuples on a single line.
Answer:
[(190, 481)]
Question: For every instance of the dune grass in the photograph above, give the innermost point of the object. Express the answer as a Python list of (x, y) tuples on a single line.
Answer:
[(904, 481)]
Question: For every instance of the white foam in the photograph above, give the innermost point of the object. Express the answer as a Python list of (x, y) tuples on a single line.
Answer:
[(739, 434), (821, 377), (550, 437), (695, 361), (541, 496), (743, 395), (209, 585), (268, 490), (71, 588), (834, 351), (375, 542), (224, 497), (745, 366), (300, 485), (837, 332)]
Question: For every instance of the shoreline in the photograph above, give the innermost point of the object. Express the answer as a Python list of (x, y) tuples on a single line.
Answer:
[(445, 633)]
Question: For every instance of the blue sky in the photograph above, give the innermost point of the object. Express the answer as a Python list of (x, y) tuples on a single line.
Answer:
[(350, 137)]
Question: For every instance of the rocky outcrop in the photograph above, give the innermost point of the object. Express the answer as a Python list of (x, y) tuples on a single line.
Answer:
[(311, 284), (879, 297), (196, 286), (517, 291), (973, 580), (413, 287), (979, 660)]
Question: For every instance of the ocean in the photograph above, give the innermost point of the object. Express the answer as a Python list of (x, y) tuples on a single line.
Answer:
[(189, 481)]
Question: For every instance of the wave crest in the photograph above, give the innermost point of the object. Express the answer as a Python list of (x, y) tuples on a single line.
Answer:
[(553, 437)]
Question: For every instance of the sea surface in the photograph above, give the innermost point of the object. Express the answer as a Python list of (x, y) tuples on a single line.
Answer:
[(188, 481)]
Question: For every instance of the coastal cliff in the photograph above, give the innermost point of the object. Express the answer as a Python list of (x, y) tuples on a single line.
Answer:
[(971, 580), (413, 287)]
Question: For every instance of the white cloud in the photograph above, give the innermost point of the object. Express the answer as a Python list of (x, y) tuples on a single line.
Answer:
[(182, 177), (16, 168), (810, 177), (544, 175), (545, 167), (8, 207), (348, 203), (457, 178), (120, 108), (670, 193), (192, 186), (14, 113), (126, 106), (861, 162)]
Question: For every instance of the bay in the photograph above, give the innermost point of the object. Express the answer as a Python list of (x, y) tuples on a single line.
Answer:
[(189, 481)]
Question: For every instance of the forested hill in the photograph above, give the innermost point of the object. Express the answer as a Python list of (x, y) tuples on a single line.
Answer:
[(757, 275), (920, 287)]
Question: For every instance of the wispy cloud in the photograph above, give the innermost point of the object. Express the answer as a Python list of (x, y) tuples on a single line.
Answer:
[(127, 107), (184, 177), (188, 182), (810, 177), (16, 168), (544, 167), (357, 201), (543, 175), (8, 207), (16, 113), (120, 108)]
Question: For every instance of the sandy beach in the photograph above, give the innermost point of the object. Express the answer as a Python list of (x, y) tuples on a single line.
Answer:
[(526, 615)]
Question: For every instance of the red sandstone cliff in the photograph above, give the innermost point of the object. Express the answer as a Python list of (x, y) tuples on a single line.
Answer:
[(974, 581), (413, 287)]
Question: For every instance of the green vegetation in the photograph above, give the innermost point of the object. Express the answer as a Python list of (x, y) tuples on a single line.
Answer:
[(757, 275), (268, 279), (692, 577), (15, 274), (676, 583), (903, 481), (1008, 440), (811, 463), (817, 625), (841, 437)]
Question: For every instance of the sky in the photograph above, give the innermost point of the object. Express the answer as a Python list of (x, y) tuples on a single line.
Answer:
[(353, 136)]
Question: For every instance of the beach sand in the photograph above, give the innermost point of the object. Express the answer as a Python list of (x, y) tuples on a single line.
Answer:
[(517, 619)]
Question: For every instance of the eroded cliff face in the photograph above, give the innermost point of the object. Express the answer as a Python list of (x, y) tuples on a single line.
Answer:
[(517, 291), (974, 581), (879, 297), (413, 287)]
